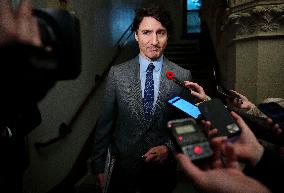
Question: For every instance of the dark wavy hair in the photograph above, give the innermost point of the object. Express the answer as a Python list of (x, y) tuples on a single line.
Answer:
[(156, 12)]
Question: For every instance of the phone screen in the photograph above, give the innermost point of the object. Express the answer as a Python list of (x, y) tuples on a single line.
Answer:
[(185, 106)]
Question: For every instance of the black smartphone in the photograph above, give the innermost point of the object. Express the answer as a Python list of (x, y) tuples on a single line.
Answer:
[(190, 138), (274, 111), (226, 93), (215, 112), (185, 106)]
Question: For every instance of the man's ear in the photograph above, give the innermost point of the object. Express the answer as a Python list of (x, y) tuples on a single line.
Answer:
[(136, 37)]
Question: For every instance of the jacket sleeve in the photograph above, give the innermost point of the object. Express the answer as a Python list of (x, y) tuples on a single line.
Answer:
[(105, 125)]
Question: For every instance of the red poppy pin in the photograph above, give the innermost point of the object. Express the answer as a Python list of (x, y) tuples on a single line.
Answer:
[(170, 75)]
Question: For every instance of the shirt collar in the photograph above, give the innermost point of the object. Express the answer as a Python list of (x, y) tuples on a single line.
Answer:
[(145, 62)]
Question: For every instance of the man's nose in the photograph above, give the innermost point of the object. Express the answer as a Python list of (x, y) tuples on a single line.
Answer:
[(155, 39)]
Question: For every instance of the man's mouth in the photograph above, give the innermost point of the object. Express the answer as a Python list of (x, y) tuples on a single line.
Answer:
[(154, 49)]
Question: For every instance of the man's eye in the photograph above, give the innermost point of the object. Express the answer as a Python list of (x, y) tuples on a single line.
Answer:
[(146, 32), (162, 33)]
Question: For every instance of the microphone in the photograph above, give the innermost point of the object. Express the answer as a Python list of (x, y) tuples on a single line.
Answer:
[(170, 75)]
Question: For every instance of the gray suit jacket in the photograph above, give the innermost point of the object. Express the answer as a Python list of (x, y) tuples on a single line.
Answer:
[(122, 125)]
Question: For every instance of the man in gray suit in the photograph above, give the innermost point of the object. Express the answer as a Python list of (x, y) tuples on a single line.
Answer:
[(135, 113)]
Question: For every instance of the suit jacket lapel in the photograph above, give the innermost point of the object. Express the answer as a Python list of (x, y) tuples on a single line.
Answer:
[(135, 94), (165, 87)]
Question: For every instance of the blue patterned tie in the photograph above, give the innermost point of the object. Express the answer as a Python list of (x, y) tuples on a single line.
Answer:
[(149, 92)]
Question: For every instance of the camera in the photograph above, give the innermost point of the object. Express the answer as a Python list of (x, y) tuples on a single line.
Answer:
[(28, 72), (60, 31)]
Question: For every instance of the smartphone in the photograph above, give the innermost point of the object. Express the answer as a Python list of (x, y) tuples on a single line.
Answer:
[(274, 111), (190, 138), (215, 112), (226, 93), (185, 106)]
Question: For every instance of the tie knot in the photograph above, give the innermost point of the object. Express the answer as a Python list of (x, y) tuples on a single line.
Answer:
[(150, 67)]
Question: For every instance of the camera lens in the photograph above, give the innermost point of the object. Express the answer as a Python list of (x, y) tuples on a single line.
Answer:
[(60, 33)]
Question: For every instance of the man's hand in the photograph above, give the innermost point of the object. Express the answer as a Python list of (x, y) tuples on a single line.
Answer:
[(221, 178), (196, 90), (244, 104), (158, 153), (100, 178), (246, 145), (19, 26), (276, 130)]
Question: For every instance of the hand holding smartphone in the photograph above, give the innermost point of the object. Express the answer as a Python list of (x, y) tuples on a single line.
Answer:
[(274, 111), (228, 94), (215, 112)]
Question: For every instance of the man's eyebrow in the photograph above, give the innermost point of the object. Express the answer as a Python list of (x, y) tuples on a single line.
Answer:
[(146, 30), (161, 30), (150, 30)]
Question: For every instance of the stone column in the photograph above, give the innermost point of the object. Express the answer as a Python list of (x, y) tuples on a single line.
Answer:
[(255, 48)]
